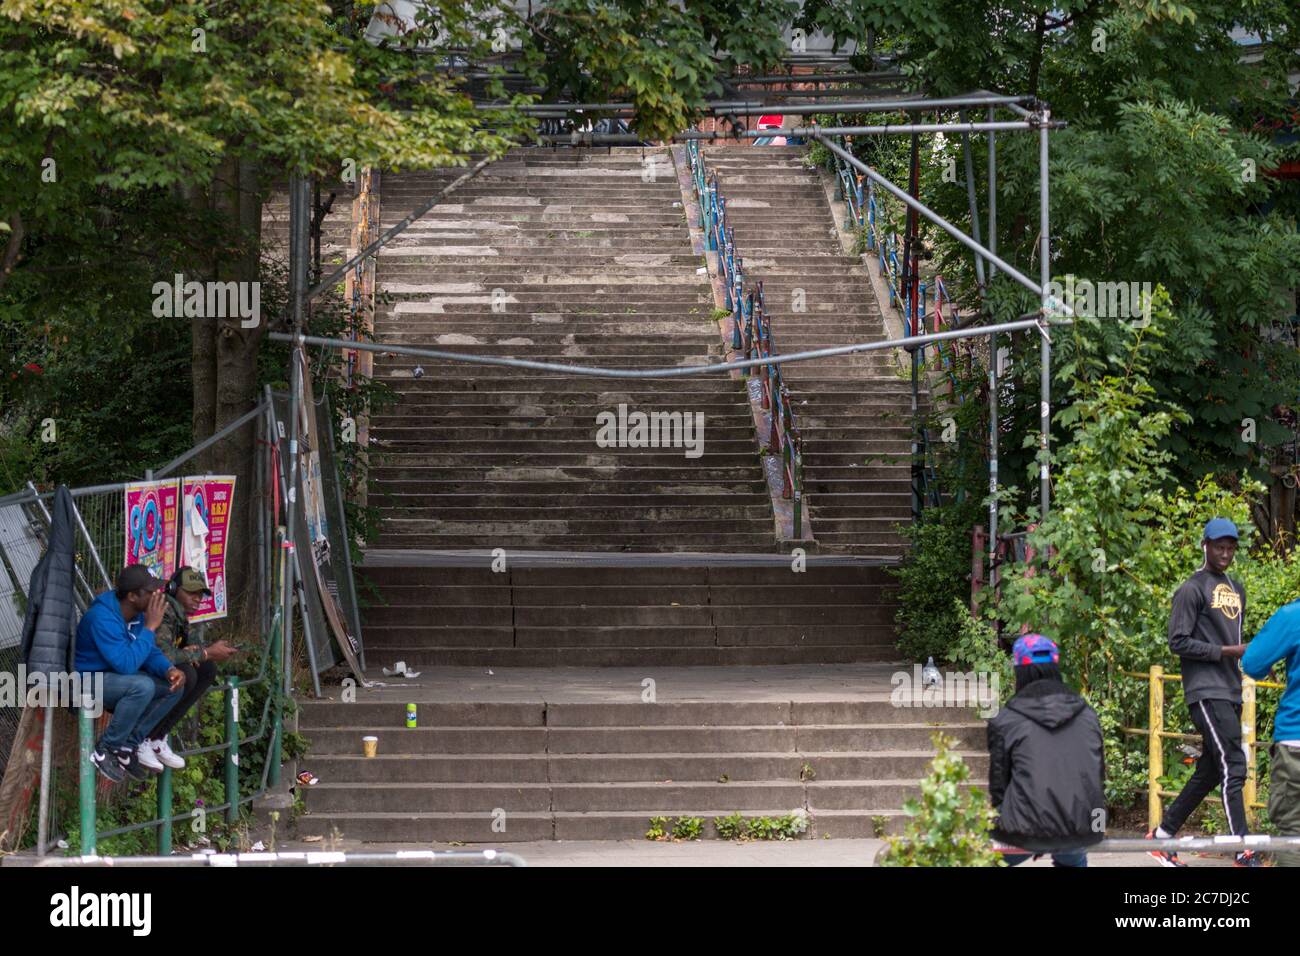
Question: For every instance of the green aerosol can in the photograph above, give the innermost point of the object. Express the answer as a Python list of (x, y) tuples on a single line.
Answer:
[(410, 715)]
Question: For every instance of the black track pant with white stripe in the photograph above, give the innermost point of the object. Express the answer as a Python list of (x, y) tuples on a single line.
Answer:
[(1222, 764)]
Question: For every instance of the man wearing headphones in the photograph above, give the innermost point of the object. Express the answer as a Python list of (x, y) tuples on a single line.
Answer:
[(188, 652), (1205, 633)]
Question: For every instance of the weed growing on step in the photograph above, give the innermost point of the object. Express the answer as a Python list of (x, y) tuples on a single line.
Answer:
[(788, 827), (688, 828), (683, 828), (720, 314), (879, 823), (730, 828), (806, 772)]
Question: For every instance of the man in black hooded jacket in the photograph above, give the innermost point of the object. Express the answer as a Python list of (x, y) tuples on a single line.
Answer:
[(1046, 763)]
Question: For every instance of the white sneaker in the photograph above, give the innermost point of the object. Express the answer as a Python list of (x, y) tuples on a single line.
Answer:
[(163, 750), (145, 754)]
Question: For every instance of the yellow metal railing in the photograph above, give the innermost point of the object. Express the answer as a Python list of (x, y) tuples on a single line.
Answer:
[(1156, 735)]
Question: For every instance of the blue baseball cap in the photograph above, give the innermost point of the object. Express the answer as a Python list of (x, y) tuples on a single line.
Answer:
[(1034, 649), (1217, 528)]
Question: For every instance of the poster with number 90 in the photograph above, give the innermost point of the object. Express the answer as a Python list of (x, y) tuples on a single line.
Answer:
[(152, 526)]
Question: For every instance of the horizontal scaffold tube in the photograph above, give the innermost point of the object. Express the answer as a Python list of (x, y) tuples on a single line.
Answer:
[(672, 371)]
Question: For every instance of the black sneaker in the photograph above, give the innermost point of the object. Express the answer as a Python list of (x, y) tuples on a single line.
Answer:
[(109, 767), (130, 765), (1248, 858)]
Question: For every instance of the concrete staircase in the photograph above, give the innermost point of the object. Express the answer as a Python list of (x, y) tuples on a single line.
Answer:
[(852, 411), (504, 772), (571, 257)]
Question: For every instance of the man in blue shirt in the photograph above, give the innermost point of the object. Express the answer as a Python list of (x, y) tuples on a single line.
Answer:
[(116, 637), (1280, 640)]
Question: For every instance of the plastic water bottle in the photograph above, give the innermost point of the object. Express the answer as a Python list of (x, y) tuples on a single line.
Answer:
[(930, 676)]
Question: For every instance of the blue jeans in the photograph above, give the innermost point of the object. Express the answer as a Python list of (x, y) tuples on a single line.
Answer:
[(138, 701), (1067, 858)]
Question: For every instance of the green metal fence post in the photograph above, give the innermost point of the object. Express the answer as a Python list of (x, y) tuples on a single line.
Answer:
[(232, 750), (277, 719), (86, 724), (165, 812)]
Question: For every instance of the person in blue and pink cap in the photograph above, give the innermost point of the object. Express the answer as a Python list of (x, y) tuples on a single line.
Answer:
[(1046, 762)]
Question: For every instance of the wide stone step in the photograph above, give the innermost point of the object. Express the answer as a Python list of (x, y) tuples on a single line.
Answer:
[(731, 656), (651, 540), (645, 739), (624, 768)]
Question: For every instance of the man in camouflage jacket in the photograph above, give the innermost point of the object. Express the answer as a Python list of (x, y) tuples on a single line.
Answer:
[(184, 646)]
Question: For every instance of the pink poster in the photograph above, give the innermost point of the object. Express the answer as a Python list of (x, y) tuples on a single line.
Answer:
[(205, 527), (152, 526)]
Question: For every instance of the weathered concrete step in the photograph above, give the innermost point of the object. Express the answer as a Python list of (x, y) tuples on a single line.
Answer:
[(573, 524), (629, 768), (723, 434), (405, 797), (542, 578), (492, 829), (607, 612), (410, 827), (403, 469), (650, 540), (538, 257), (572, 388), (697, 593), (346, 740), (395, 643), (636, 656), (630, 489), (500, 500), (528, 453)]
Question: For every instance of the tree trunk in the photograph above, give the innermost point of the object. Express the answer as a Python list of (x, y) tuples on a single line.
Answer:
[(225, 369)]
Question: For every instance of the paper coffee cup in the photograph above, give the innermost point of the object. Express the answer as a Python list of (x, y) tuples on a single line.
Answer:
[(370, 745)]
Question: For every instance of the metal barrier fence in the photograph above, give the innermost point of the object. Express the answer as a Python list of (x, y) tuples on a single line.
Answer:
[(290, 858), (751, 334)]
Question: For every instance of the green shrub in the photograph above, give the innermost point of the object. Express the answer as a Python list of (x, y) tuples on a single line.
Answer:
[(950, 824), (933, 581)]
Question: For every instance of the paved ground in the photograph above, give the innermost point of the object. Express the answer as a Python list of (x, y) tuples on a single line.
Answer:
[(717, 853)]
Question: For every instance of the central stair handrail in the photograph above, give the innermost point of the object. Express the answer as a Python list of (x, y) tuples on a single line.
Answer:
[(751, 332)]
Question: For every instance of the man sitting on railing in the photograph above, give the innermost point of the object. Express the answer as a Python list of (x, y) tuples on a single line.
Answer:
[(116, 637), (1046, 762), (187, 650), (1279, 640)]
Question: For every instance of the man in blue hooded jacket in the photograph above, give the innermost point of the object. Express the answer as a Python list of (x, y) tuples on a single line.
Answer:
[(116, 637)]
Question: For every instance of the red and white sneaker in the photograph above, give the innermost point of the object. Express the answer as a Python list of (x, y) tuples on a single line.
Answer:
[(1164, 857)]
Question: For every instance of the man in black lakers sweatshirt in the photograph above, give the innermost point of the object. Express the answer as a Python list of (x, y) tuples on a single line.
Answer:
[(1205, 632)]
